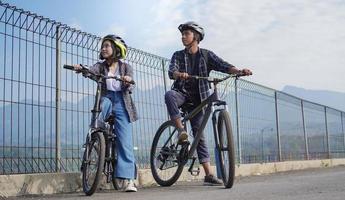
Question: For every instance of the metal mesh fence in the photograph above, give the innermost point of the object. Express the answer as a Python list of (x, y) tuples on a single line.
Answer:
[(45, 110)]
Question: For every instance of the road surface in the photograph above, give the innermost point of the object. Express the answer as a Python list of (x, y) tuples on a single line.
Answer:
[(313, 184)]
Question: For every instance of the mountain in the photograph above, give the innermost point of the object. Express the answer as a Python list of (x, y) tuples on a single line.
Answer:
[(325, 97)]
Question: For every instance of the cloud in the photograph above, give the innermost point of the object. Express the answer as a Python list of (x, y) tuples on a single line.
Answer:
[(115, 29), (287, 42), (76, 24)]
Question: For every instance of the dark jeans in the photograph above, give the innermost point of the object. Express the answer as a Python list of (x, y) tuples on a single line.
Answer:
[(174, 100)]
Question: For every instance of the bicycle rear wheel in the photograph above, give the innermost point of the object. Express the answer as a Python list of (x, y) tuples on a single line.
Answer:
[(166, 166), (225, 147), (117, 183), (93, 163)]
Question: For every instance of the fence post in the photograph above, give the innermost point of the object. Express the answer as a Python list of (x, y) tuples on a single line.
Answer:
[(164, 76), (327, 135), (305, 132), (58, 101), (277, 126), (165, 83), (239, 148), (342, 128)]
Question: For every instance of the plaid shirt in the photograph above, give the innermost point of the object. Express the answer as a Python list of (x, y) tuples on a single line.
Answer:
[(179, 62)]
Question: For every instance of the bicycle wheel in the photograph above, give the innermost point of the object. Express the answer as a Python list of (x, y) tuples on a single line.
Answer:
[(166, 167), (93, 163), (117, 183), (225, 147)]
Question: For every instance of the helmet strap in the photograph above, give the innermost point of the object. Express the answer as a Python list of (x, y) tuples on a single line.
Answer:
[(190, 45)]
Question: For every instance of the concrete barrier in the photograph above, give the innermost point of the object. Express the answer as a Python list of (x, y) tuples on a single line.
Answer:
[(50, 183)]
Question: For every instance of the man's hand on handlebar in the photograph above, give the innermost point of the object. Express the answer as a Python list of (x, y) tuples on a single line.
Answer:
[(181, 75), (245, 72)]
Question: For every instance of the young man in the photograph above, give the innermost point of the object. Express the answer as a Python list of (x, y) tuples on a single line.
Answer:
[(194, 61)]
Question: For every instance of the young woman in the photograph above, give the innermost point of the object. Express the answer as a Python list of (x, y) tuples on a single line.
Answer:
[(194, 61), (116, 100)]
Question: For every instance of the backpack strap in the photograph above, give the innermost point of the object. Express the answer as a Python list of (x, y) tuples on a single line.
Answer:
[(204, 54)]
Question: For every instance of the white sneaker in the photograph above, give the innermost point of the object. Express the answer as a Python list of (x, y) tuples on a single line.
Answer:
[(130, 186)]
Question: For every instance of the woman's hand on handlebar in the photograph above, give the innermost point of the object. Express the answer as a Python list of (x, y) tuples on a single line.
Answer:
[(77, 68), (127, 80)]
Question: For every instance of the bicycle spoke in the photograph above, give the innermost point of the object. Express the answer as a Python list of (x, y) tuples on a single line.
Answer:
[(164, 155)]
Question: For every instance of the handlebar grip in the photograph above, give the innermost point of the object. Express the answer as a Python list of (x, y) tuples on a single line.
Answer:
[(70, 67), (132, 82)]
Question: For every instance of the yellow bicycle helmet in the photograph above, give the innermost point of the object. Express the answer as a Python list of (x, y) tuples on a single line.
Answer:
[(119, 43)]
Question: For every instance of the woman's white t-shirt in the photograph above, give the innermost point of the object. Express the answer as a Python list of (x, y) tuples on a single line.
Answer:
[(112, 84)]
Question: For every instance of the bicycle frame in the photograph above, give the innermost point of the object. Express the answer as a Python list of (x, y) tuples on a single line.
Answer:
[(96, 124), (209, 102)]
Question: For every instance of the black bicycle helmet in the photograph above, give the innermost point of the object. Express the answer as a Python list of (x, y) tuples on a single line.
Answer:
[(119, 42), (194, 26)]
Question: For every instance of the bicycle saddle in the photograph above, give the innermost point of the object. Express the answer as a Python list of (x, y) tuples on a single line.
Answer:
[(187, 106)]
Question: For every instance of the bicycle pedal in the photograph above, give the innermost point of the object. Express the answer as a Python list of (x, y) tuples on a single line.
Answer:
[(195, 172), (184, 143)]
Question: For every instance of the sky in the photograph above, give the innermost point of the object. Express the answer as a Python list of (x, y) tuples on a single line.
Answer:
[(284, 42)]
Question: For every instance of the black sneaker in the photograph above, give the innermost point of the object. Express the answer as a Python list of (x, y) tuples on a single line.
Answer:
[(212, 180)]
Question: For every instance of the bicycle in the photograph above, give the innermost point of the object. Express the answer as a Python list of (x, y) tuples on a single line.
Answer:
[(100, 145), (168, 157)]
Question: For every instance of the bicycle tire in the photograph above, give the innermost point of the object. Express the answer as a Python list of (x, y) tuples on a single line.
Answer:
[(114, 180), (90, 188), (119, 183), (169, 177), (226, 152)]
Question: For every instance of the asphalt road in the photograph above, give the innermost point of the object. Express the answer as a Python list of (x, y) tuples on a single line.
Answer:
[(315, 184)]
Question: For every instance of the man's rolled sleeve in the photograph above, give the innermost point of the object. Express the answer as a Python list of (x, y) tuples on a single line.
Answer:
[(218, 64)]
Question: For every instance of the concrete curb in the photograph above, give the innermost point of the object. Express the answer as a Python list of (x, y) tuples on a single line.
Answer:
[(50, 183)]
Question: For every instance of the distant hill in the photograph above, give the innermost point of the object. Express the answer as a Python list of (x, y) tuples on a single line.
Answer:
[(324, 97)]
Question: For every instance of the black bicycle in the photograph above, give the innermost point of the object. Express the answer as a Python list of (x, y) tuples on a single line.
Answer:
[(100, 147), (168, 157)]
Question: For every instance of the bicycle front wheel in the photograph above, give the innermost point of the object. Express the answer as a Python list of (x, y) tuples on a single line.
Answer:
[(93, 163), (225, 147), (165, 163)]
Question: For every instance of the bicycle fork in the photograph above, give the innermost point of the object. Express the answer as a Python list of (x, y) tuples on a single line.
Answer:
[(86, 148)]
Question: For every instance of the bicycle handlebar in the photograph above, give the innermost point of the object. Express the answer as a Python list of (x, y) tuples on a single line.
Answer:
[(218, 80), (86, 72), (70, 67)]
